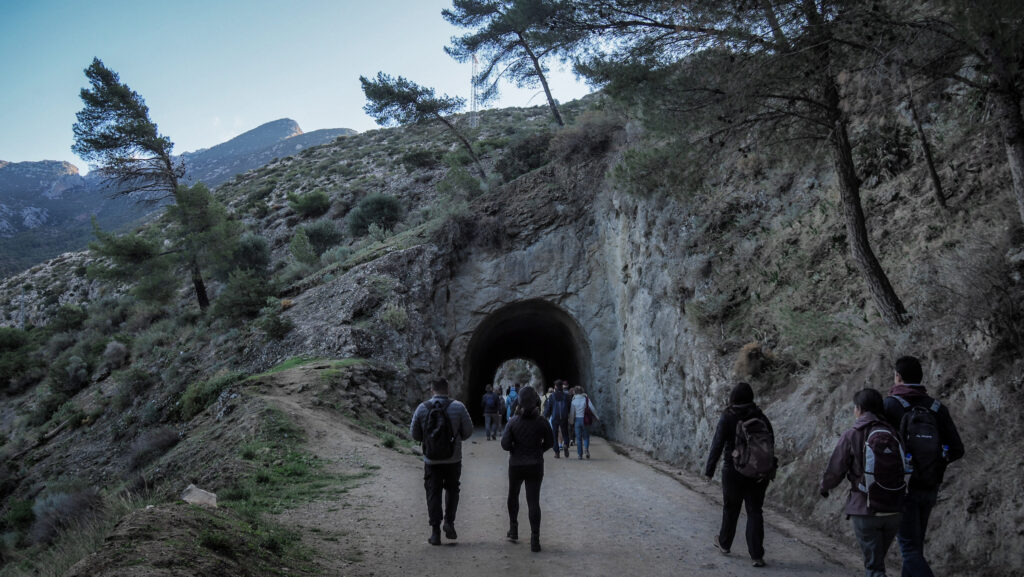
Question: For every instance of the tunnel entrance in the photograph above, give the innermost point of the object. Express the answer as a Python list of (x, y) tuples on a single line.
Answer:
[(534, 330)]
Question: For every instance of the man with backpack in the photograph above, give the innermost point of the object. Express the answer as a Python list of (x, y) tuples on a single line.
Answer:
[(557, 412), (745, 437), (441, 424), (931, 440), (491, 405), (870, 455)]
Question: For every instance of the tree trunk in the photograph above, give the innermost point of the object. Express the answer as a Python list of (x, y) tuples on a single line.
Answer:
[(466, 145), (200, 286), (927, 148), (543, 80), (886, 300)]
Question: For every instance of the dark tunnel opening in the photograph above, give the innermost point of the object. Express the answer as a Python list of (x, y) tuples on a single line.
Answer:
[(535, 330)]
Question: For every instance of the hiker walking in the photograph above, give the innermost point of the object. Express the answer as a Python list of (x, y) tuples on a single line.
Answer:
[(746, 439), (490, 405), (526, 438), (511, 401), (441, 424), (932, 442), (556, 410), (584, 415), (871, 457)]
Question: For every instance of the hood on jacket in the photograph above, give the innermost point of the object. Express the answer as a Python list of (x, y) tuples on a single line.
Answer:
[(908, 391), (866, 419)]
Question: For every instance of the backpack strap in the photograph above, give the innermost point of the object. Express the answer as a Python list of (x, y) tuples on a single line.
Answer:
[(906, 405), (936, 405)]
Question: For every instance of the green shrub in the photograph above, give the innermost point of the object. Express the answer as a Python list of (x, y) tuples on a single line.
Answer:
[(459, 183), (310, 205), (592, 135), (526, 153), (115, 355), (68, 318), (394, 316), (131, 384), (379, 209), (322, 235), (420, 158), (69, 373), (243, 296), (884, 151), (16, 360), (150, 445), (302, 249), (272, 322), (200, 395), (58, 511), (158, 335), (19, 515), (335, 255), (252, 253)]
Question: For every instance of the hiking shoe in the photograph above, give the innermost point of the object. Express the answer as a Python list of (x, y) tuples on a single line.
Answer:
[(588, 454), (718, 545), (513, 534), (567, 451), (449, 531), (758, 562), (435, 536), (535, 543), (558, 454)]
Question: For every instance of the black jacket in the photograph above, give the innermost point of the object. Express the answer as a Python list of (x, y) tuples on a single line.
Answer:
[(725, 435), (918, 395), (526, 439)]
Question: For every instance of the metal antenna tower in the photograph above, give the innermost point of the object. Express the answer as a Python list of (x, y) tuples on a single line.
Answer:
[(474, 102)]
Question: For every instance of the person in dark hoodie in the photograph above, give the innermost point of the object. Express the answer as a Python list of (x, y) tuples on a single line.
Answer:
[(923, 492), (527, 436), (874, 530), (738, 490)]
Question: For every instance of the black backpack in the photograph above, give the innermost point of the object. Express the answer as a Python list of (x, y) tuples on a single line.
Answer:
[(919, 430), (754, 455), (439, 436), (885, 479)]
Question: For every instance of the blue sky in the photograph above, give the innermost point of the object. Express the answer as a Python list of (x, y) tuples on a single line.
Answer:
[(210, 70)]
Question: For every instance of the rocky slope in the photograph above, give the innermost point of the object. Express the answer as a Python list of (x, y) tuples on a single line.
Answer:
[(652, 302)]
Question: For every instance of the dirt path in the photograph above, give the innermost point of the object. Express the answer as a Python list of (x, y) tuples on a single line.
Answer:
[(606, 516)]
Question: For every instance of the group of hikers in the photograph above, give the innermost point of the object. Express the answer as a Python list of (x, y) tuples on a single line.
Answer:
[(533, 426), (894, 456)]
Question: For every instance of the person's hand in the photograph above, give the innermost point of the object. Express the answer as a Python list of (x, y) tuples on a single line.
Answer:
[(707, 480)]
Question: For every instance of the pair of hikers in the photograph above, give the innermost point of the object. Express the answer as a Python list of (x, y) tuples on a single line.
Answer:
[(569, 407), (442, 423), (908, 431), (895, 457)]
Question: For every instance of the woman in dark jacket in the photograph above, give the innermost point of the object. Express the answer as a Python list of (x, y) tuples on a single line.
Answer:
[(527, 436), (737, 489)]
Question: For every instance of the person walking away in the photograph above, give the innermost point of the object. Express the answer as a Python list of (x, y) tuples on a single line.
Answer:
[(746, 439), (931, 437), (511, 400), (871, 457), (526, 438), (581, 406), (556, 410), (490, 405), (441, 424)]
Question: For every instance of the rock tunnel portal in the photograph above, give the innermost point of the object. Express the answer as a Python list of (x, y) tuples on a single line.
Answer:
[(535, 330)]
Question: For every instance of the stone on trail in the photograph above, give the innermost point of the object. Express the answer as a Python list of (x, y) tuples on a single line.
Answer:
[(197, 496)]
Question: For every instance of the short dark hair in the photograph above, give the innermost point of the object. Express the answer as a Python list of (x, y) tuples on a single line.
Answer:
[(439, 385), (869, 401), (909, 369)]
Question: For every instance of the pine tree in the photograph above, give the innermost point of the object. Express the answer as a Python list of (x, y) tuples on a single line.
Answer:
[(513, 36), (398, 101)]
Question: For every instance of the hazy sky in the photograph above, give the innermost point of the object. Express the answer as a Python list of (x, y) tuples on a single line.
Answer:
[(212, 69)]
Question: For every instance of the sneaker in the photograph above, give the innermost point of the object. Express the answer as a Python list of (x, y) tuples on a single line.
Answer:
[(758, 562), (718, 546), (435, 536), (588, 454), (535, 543), (580, 457), (513, 534), (449, 531), (558, 454), (566, 451)]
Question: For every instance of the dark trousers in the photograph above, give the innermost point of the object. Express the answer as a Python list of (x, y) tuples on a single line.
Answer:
[(438, 479), (532, 475), (738, 492), (874, 535), (917, 507), (563, 428)]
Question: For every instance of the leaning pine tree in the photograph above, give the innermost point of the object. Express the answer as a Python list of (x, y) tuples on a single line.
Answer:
[(114, 131)]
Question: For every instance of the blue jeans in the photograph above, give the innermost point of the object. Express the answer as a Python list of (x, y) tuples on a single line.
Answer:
[(582, 437), (917, 507), (559, 427)]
